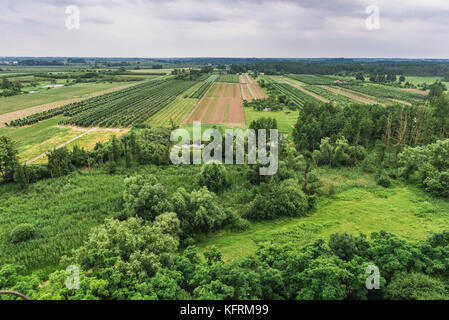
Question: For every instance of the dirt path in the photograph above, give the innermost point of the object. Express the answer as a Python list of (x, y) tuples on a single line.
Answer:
[(86, 131), (401, 102), (8, 117), (353, 96), (310, 93), (424, 93)]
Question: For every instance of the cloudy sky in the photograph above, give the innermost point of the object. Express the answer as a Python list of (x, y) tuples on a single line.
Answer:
[(226, 28)]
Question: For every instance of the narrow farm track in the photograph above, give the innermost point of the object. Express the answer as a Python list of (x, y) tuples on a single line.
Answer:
[(310, 93), (73, 139)]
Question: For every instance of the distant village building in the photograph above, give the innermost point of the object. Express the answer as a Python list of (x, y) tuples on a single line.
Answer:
[(340, 82)]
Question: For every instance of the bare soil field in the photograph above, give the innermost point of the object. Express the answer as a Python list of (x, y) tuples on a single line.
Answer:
[(223, 106), (258, 93), (424, 93)]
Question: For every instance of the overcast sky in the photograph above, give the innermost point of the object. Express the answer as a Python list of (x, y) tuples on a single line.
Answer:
[(226, 28)]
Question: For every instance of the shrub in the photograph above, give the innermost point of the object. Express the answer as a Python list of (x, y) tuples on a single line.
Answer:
[(416, 286), (343, 245), (22, 232), (36, 172), (438, 185), (214, 176), (284, 200), (383, 180)]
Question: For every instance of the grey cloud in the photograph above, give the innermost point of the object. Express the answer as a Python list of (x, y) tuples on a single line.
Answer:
[(293, 28)]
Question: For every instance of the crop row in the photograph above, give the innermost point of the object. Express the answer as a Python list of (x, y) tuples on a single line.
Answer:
[(381, 91), (136, 109), (77, 107), (198, 94), (312, 79), (296, 96), (329, 95), (120, 108), (232, 78)]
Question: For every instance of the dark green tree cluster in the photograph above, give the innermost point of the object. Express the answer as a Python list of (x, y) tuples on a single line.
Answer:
[(137, 260), (198, 211), (10, 88), (214, 176), (140, 147), (389, 129), (431, 163)]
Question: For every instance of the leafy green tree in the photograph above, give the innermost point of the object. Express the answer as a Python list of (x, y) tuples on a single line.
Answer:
[(343, 245), (323, 279), (214, 290), (333, 154), (90, 288), (213, 255), (22, 232), (132, 247), (284, 200), (59, 162), (214, 176), (199, 211), (145, 197), (8, 159), (360, 76), (416, 286), (436, 90), (19, 176)]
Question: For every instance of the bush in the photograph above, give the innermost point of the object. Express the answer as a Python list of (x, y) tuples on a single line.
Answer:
[(284, 200), (383, 180), (22, 232), (36, 172), (343, 245), (214, 176), (438, 185), (416, 286)]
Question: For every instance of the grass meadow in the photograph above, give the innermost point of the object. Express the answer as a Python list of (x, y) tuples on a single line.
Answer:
[(358, 206)]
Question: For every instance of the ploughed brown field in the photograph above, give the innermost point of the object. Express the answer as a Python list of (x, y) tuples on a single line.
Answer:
[(222, 104), (250, 89)]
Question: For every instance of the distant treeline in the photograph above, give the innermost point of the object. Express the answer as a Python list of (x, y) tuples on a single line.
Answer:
[(403, 68)]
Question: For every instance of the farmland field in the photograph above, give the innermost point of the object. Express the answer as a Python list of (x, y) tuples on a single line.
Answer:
[(250, 90), (34, 140), (56, 96), (395, 94), (231, 78), (199, 93), (285, 119), (312, 79), (118, 109), (222, 104), (330, 95)]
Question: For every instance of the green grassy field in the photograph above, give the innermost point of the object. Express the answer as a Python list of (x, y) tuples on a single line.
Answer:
[(419, 80), (44, 96), (63, 211), (359, 206), (285, 121), (41, 137)]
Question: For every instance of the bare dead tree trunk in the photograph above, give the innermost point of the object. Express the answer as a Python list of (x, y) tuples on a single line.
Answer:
[(14, 293), (388, 137)]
